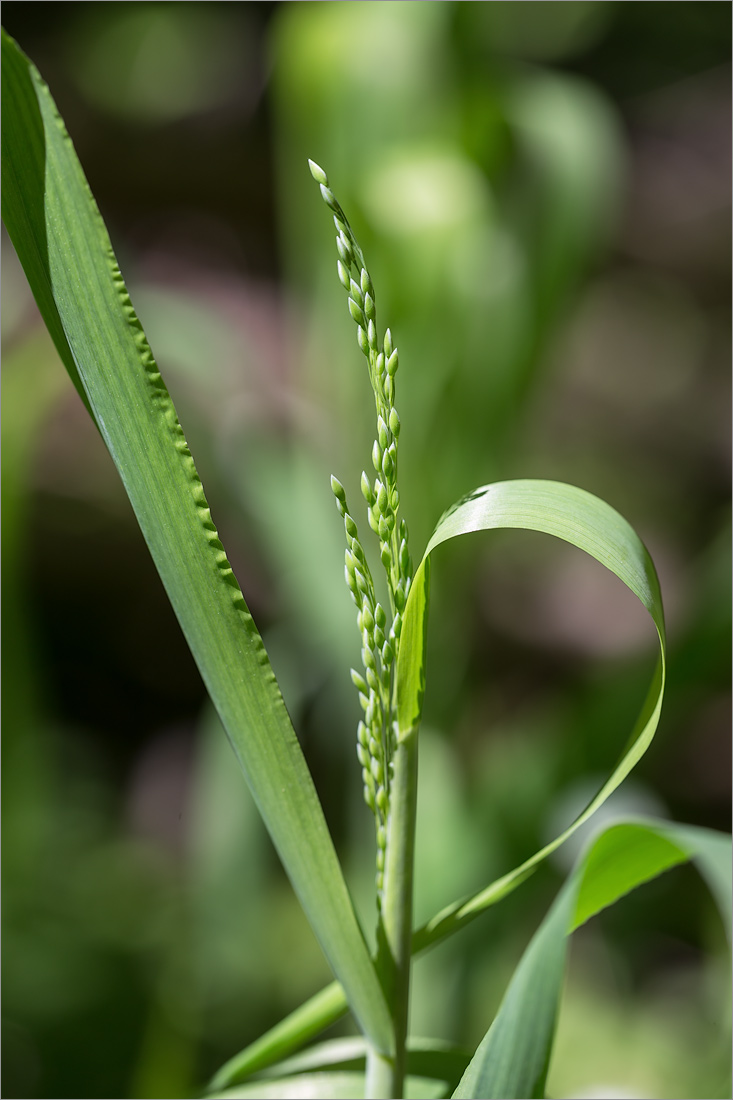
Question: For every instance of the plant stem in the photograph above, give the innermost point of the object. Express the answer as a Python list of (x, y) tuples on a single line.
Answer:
[(394, 949)]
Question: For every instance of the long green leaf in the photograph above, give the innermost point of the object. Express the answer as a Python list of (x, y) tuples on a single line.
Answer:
[(513, 1059), (63, 245)]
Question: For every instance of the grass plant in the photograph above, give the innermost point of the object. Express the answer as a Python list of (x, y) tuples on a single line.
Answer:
[(63, 245)]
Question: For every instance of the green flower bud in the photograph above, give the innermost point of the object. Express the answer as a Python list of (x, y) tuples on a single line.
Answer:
[(344, 251), (381, 837), (372, 335), (377, 770), (377, 456), (388, 347), (382, 433), (359, 682), (385, 552), (366, 282), (378, 637), (318, 174), (343, 274), (399, 597), (362, 734), (392, 364), (380, 616), (381, 799), (387, 654), (366, 489), (380, 364), (382, 497), (368, 660), (389, 390), (404, 558), (367, 620), (396, 625), (356, 293), (338, 490), (362, 755), (394, 423), (372, 679), (357, 313), (383, 532), (369, 308), (350, 527), (361, 339), (373, 520), (328, 197), (387, 466)]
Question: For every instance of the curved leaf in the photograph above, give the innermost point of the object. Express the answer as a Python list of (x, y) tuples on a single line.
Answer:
[(513, 1059), (63, 245), (577, 517)]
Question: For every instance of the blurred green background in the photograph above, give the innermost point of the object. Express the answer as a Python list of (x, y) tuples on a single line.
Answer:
[(542, 191)]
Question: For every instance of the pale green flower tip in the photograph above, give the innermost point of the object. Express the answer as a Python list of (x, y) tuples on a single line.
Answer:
[(366, 488), (380, 616), (338, 490), (361, 338), (377, 456), (366, 282), (328, 196), (392, 364), (387, 465), (318, 174), (394, 422), (388, 345), (356, 312), (359, 682), (344, 277), (342, 247)]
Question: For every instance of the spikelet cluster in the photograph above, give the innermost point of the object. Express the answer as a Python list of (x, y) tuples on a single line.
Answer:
[(380, 629)]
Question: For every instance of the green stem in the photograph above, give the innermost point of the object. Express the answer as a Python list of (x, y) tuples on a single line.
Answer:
[(395, 926)]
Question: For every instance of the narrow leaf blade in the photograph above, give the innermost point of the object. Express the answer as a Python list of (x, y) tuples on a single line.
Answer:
[(63, 245), (514, 1056)]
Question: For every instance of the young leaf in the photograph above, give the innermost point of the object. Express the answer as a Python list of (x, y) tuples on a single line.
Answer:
[(63, 245), (513, 1059)]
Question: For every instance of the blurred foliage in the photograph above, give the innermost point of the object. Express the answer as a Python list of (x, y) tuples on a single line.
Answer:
[(543, 193)]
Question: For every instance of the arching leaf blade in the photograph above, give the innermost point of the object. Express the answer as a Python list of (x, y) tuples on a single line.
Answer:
[(585, 521)]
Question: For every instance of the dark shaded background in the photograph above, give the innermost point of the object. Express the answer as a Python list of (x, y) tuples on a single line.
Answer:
[(543, 194)]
